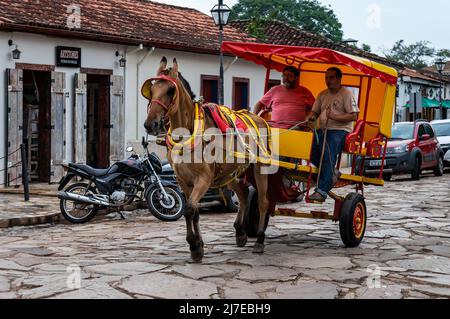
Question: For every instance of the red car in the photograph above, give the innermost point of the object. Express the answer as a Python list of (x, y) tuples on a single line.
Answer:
[(413, 148)]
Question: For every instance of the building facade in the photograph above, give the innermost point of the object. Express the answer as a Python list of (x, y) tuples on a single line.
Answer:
[(69, 99), (428, 88)]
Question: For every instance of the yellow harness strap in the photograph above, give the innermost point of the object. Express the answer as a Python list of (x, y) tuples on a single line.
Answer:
[(199, 127)]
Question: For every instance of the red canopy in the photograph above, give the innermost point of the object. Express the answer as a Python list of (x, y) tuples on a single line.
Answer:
[(278, 56)]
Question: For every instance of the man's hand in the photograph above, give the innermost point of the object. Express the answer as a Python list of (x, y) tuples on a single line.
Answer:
[(311, 117), (331, 115)]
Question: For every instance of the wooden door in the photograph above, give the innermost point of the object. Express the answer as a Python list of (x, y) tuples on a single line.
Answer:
[(241, 96), (210, 88), (80, 119), (58, 139), (117, 119), (15, 126)]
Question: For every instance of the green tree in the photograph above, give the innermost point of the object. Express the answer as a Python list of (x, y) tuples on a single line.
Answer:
[(416, 55), (443, 53), (309, 15), (366, 48)]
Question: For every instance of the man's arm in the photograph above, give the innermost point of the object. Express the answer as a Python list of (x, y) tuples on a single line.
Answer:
[(344, 118), (315, 111), (312, 116), (258, 107), (351, 109)]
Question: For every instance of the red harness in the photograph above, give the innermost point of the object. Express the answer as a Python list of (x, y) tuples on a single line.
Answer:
[(159, 102)]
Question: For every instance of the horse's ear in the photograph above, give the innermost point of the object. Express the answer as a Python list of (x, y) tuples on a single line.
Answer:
[(174, 71), (162, 65)]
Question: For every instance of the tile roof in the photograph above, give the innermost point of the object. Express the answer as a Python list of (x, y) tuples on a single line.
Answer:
[(280, 33), (431, 71), (120, 21), (417, 75)]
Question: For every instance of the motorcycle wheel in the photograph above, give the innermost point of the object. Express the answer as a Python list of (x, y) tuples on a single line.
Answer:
[(75, 212), (168, 210)]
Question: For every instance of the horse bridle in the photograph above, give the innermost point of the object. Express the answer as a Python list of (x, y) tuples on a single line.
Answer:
[(159, 102)]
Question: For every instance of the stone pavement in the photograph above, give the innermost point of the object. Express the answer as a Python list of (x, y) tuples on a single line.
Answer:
[(406, 254)]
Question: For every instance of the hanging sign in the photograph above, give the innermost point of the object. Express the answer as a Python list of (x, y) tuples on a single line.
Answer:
[(68, 57)]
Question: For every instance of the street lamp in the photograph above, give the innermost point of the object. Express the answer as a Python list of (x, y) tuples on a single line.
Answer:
[(350, 41), (440, 66), (221, 14)]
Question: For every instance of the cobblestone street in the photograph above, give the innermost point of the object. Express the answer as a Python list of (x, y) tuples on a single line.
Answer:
[(406, 254)]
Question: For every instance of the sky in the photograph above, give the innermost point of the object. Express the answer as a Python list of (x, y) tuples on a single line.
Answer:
[(379, 23)]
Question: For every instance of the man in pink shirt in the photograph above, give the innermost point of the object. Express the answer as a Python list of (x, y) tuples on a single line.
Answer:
[(290, 103)]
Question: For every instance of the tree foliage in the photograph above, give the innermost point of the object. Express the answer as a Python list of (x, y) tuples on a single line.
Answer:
[(416, 55), (309, 15), (366, 48)]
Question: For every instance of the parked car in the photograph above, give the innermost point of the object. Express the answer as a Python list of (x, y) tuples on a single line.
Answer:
[(227, 198), (442, 129), (447, 158), (413, 148)]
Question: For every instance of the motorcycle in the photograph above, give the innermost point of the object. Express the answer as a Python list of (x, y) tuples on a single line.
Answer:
[(118, 186)]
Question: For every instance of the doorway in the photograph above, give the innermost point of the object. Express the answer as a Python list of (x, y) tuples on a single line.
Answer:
[(98, 120), (241, 96), (210, 88), (37, 123)]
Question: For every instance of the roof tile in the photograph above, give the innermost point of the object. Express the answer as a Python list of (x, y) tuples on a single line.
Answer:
[(142, 20)]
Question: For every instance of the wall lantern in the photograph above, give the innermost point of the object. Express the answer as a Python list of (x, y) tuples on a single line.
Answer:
[(16, 52)]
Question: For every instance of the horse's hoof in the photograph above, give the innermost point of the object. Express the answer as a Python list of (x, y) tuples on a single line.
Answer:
[(258, 248), (241, 241), (197, 254)]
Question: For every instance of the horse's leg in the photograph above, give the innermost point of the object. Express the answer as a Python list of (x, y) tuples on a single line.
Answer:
[(188, 213), (194, 238), (242, 192), (263, 205)]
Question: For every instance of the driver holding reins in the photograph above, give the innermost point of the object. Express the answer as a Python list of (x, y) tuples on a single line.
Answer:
[(336, 109)]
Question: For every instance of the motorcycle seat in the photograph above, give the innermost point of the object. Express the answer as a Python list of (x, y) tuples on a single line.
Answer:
[(96, 172)]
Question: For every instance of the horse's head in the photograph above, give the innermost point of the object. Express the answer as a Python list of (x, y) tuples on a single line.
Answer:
[(162, 93)]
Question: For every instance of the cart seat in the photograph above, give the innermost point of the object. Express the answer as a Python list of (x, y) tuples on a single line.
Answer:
[(373, 148), (353, 140)]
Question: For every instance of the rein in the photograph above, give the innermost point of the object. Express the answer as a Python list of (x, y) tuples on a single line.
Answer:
[(159, 102)]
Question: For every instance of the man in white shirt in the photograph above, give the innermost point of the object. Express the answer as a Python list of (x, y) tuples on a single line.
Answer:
[(336, 110)]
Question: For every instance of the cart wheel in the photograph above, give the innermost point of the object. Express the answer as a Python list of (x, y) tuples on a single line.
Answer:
[(251, 218), (352, 223)]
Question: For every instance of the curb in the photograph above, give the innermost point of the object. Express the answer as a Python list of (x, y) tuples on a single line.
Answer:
[(57, 218), (31, 221), (32, 193)]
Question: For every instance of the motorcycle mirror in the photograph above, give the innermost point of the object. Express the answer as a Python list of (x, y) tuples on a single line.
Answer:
[(144, 142), (130, 149)]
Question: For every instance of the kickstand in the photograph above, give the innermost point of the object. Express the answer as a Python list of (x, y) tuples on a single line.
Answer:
[(120, 213)]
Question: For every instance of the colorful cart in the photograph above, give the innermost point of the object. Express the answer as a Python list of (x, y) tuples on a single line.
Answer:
[(374, 85)]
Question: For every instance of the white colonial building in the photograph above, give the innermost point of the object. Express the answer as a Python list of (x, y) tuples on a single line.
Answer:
[(69, 98)]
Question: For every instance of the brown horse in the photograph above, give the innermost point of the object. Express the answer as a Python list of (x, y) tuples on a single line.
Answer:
[(170, 102)]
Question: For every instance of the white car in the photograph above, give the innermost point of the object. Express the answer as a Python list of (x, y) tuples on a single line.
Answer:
[(447, 158), (442, 129)]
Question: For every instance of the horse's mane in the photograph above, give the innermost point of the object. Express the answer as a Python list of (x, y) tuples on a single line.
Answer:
[(183, 81), (186, 85)]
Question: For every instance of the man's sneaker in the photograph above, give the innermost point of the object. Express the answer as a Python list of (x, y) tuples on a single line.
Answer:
[(317, 198)]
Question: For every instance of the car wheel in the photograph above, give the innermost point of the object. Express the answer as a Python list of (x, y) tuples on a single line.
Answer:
[(415, 174), (387, 177), (439, 170), (232, 200)]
